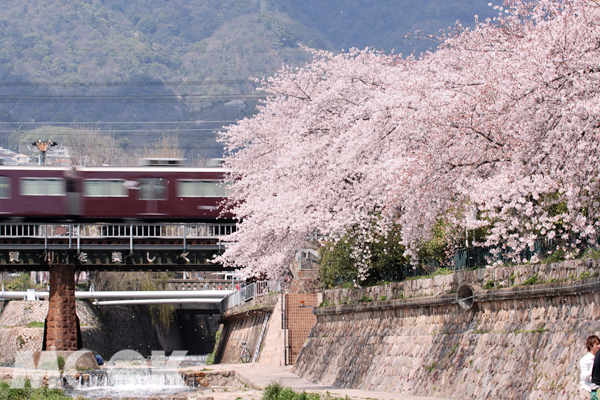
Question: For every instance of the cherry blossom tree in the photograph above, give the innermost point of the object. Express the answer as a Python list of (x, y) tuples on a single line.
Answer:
[(502, 120)]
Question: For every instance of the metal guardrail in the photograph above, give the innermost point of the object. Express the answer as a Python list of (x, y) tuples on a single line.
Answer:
[(249, 292), (239, 296), (116, 231)]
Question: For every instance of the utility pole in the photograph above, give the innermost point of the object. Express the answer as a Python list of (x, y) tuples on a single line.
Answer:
[(43, 146)]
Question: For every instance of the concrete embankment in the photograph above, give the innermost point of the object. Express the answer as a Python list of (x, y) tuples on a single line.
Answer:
[(514, 342), (258, 324)]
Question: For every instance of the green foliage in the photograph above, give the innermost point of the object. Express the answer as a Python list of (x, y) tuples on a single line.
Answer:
[(210, 360), (365, 299), (437, 272), (382, 298), (35, 324), (431, 367), (275, 391), (28, 393), (557, 256), (338, 267), (19, 283), (162, 315), (490, 284), (61, 363), (533, 280), (587, 275), (591, 253), (324, 303)]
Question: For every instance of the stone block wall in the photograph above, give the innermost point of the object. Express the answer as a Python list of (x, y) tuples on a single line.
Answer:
[(521, 342), (61, 323), (444, 284), (237, 328)]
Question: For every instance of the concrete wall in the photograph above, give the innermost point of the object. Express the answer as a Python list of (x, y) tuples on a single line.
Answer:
[(105, 330), (273, 351), (239, 328), (517, 342)]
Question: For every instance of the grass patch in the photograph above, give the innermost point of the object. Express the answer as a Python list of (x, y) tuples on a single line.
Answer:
[(365, 299), (324, 303), (490, 284), (539, 329), (61, 363), (27, 392), (430, 368), (437, 272), (275, 391), (382, 298), (35, 324), (534, 280), (211, 357)]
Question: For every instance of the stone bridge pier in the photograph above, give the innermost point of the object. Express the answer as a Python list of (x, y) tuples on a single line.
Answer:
[(62, 326)]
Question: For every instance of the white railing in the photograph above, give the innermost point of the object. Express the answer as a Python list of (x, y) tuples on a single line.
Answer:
[(249, 292), (239, 296), (97, 231), (263, 288)]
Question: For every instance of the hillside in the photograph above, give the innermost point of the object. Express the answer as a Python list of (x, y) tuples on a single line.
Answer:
[(176, 60)]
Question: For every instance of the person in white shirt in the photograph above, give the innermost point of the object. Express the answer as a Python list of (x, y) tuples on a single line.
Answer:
[(586, 364)]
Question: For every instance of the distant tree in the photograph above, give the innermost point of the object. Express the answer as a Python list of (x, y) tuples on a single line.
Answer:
[(89, 148)]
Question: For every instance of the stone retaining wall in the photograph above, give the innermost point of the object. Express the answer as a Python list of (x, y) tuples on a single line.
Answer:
[(241, 327), (523, 342), (444, 284)]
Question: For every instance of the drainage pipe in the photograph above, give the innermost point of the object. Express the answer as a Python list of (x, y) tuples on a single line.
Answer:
[(155, 294), (155, 301)]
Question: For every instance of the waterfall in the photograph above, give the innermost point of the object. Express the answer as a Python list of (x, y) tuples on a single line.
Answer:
[(125, 382)]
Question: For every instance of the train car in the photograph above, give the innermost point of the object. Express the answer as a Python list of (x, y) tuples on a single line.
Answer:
[(35, 193), (156, 193)]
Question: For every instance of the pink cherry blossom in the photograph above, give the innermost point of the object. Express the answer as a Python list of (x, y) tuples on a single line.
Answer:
[(503, 117)]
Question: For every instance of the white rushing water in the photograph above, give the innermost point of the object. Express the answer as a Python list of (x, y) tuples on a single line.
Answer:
[(132, 380)]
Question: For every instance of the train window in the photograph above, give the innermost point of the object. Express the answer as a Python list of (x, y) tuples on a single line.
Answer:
[(104, 188), (198, 188), (153, 189), (43, 187), (4, 187)]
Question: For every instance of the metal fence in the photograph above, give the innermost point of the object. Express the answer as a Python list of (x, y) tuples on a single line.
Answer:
[(96, 231), (474, 257), (249, 292)]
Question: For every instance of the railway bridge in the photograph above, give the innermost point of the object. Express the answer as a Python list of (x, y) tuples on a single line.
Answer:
[(64, 248)]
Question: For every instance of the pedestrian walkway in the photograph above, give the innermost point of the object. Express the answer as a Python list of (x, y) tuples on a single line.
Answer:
[(259, 376)]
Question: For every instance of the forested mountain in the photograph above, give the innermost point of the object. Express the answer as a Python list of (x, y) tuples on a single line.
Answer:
[(183, 60)]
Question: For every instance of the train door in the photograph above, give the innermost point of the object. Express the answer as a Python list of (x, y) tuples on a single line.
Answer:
[(152, 190)]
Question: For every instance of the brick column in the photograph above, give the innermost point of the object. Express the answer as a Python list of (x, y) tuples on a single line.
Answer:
[(61, 324)]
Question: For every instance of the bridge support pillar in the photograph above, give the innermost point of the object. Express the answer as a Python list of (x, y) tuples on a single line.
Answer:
[(61, 324)]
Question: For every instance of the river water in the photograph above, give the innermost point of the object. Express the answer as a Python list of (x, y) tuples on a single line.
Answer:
[(124, 379)]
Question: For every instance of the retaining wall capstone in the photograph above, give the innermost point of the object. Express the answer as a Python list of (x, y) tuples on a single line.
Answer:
[(517, 342)]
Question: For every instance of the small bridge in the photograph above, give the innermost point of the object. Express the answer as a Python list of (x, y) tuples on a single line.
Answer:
[(116, 247), (63, 249)]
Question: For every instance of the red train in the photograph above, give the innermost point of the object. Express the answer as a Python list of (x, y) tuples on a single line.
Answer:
[(155, 193)]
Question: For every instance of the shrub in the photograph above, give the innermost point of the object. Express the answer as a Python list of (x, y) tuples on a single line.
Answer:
[(489, 285), (365, 299), (534, 280), (211, 357)]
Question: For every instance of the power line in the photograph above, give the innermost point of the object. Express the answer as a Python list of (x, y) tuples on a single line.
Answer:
[(120, 84), (76, 131), (117, 122), (130, 99)]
